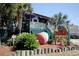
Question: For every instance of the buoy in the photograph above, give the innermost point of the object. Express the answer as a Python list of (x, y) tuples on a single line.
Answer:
[(42, 37)]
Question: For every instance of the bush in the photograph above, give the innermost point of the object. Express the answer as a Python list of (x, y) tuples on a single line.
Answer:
[(50, 41), (26, 41), (65, 41), (9, 42)]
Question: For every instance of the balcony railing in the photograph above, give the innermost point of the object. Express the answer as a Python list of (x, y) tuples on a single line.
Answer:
[(37, 25)]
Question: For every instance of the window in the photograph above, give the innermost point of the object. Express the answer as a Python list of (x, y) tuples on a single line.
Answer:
[(35, 20), (42, 20)]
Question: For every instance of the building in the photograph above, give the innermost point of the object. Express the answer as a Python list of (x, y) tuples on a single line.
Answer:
[(32, 23), (36, 23), (74, 31)]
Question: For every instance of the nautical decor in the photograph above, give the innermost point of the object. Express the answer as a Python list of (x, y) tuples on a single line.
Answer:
[(42, 37)]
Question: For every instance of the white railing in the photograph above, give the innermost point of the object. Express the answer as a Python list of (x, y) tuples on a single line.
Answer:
[(37, 25)]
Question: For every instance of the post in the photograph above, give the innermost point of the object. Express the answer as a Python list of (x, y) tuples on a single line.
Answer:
[(0, 42), (13, 39), (68, 36), (1, 35), (29, 23)]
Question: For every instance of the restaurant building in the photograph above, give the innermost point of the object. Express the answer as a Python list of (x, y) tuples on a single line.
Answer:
[(31, 23)]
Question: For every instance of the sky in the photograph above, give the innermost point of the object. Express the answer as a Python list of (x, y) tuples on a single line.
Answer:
[(49, 9)]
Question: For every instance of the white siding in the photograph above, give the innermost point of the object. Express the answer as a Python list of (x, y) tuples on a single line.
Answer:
[(51, 27)]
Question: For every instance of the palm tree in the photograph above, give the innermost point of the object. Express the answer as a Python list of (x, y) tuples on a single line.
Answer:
[(22, 8), (57, 20), (8, 12)]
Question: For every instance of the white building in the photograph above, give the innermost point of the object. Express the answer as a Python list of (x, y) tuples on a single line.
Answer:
[(74, 29)]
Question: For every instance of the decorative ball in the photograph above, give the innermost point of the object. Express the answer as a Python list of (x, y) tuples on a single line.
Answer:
[(42, 37)]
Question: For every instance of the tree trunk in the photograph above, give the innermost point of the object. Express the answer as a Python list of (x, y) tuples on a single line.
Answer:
[(54, 37), (20, 25), (19, 19)]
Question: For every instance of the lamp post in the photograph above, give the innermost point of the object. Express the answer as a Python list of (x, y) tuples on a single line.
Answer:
[(68, 30), (68, 35)]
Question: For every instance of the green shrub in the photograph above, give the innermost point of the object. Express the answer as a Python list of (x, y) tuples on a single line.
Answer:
[(9, 42), (26, 41), (65, 41), (50, 41)]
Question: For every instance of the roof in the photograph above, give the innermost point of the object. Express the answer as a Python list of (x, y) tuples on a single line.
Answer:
[(42, 16), (35, 14)]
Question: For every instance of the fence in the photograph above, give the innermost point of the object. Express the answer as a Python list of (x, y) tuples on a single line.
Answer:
[(44, 51)]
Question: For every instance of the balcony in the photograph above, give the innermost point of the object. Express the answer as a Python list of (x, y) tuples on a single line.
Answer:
[(37, 27)]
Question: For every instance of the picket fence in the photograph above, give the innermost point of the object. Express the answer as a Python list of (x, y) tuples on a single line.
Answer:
[(44, 51)]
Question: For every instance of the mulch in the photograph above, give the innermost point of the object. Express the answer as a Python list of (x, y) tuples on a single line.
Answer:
[(50, 46), (6, 51)]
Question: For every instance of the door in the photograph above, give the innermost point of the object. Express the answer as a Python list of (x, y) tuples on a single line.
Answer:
[(26, 26)]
